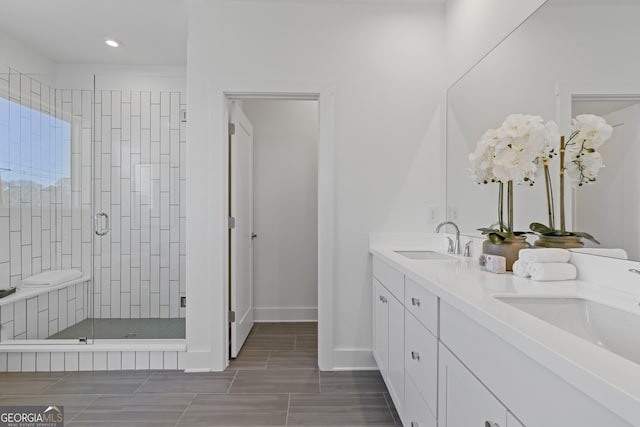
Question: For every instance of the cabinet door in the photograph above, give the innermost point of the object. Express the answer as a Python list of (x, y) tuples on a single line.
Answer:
[(381, 327), (464, 401), (416, 411), (421, 360), (396, 353)]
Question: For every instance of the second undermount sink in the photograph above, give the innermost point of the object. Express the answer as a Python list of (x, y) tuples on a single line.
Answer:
[(608, 327), (428, 255)]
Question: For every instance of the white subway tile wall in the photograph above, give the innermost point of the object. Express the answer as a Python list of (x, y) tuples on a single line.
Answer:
[(39, 316), (140, 147), (59, 361), (137, 149)]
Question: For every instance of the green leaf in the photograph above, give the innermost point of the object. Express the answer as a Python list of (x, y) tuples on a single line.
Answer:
[(485, 230), (536, 227), (496, 239), (585, 236)]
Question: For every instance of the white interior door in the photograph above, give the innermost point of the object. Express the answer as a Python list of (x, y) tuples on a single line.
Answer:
[(617, 187), (241, 248)]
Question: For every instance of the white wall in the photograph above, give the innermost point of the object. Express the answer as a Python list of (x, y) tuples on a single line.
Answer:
[(474, 27), (386, 62), (285, 159), (23, 59)]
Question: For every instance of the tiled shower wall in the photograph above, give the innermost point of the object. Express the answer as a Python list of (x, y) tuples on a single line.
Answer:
[(35, 192), (140, 145), (138, 156)]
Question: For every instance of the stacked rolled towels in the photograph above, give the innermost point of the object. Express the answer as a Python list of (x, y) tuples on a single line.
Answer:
[(545, 264)]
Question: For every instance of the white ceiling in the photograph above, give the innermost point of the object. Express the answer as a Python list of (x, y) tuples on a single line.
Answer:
[(154, 32)]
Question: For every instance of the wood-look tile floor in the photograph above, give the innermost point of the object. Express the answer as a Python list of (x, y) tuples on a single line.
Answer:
[(274, 381)]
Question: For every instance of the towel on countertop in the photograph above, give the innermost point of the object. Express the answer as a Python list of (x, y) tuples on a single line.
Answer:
[(547, 271), (520, 267), (608, 252), (544, 255)]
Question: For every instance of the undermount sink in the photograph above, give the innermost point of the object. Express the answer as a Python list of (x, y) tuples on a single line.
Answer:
[(611, 328), (429, 255)]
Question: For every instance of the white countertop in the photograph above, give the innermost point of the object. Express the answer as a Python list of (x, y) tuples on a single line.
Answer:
[(604, 376)]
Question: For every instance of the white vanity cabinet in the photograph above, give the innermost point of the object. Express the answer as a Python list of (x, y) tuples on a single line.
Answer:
[(464, 401), (537, 396), (405, 318), (381, 327), (388, 320), (445, 366), (421, 352), (421, 373)]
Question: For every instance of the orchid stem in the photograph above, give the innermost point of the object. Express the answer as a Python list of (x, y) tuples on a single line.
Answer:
[(510, 206), (501, 206), (562, 170), (550, 207)]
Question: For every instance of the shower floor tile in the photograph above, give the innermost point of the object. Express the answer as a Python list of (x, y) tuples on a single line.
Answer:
[(125, 329)]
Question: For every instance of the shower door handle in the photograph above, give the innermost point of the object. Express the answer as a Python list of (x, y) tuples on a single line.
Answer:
[(99, 229)]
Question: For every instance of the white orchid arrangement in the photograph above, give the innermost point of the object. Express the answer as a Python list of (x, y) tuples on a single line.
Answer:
[(512, 154), (580, 160), (583, 161)]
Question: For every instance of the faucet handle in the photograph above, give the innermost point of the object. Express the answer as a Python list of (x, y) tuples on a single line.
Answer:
[(467, 248), (450, 246)]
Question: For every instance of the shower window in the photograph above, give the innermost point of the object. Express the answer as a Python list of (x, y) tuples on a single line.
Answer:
[(35, 155)]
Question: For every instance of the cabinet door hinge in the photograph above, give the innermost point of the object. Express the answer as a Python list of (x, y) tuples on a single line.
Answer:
[(231, 222), (232, 128), (232, 316)]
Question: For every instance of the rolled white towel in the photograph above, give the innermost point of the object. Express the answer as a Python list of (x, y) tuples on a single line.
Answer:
[(544, 255), (519, 268), (547, 271), (608, 252)]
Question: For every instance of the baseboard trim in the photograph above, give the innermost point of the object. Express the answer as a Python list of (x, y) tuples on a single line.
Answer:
[(285, 314), (353, 360)]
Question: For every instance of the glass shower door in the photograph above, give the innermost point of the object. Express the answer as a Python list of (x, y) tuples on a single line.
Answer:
[(139, 144)]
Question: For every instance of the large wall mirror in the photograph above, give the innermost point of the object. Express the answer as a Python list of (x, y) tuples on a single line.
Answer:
[(570, 57)]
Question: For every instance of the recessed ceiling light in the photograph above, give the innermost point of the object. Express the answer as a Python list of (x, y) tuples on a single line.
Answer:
[(112, 43)]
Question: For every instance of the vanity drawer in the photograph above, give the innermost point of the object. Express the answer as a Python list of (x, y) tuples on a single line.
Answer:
[(416, 411), (421, 360), (422, 304), (390, 278)]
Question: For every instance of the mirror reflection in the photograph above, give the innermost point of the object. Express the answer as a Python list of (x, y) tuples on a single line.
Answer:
[(566, 59)]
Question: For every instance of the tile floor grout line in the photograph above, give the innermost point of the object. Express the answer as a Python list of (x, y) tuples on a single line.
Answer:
[(66, 374), (286, 421), (144, 382), (232, 381), (266, 363), (195, 395), (98, 396)]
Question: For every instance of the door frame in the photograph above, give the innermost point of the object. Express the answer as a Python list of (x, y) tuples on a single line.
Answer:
[(323, 93), (566, 93)]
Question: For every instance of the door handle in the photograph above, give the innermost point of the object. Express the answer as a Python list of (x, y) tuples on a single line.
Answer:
[(101, 231)]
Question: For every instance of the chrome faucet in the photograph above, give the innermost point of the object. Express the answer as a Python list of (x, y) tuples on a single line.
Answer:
[(455, 248)]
